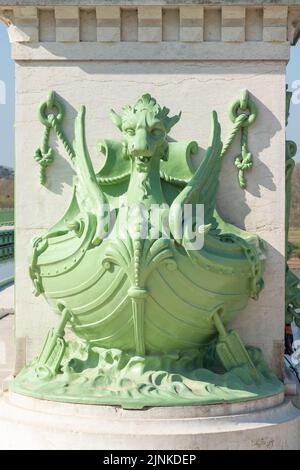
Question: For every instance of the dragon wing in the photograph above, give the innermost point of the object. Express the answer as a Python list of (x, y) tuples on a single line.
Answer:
[(178, 169), (202, 187), (207, 175), (89, 195)]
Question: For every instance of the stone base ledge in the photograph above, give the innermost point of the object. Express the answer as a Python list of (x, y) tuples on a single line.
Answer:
[(28, 423)]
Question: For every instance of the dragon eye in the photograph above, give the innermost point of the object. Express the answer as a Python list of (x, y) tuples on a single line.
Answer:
[(130, 131), (156, 131)]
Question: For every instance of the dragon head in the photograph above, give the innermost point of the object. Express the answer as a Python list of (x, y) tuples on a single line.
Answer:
[(145, 127)]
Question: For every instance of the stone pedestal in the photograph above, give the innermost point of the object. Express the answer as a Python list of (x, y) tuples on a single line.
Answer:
[(28, 423)]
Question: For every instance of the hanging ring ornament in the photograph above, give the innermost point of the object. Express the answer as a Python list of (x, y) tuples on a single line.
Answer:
[(51, 114), (244, 97), (246, 106), (242, 112), (47, 108)]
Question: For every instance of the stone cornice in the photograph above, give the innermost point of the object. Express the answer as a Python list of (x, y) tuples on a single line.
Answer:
[(150, 32)]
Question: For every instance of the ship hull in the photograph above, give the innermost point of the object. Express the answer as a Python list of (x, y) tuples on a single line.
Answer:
[(182, 292)]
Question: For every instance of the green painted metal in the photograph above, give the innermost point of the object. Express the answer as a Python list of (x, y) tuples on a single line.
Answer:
[(149, 312), (51, 113), (292, 290), (6, 244), (242, 112)]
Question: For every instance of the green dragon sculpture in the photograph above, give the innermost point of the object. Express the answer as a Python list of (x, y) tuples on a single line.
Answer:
[(148, 293)]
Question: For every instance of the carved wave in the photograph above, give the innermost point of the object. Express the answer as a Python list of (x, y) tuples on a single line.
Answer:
[(112, 376)]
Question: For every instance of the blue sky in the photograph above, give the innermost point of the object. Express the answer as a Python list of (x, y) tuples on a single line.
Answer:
[(7, 76), (293, 74), (7, 109)]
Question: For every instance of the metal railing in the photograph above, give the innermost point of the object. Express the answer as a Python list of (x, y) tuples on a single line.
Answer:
[(6, 244)]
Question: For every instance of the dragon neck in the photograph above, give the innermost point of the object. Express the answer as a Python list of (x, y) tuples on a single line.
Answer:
[(145, 186)]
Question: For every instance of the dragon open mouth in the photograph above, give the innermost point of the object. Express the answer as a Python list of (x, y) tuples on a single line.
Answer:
[(144, 159), (143, 163)]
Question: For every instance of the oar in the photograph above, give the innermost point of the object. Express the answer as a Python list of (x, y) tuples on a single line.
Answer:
[(49, 360), (230, 349)]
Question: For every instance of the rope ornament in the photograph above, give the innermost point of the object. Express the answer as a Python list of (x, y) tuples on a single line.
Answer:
[(242, 113), (51, 113)]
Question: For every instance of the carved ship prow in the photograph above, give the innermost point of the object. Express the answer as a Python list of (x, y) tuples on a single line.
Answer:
[(180, 292)]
